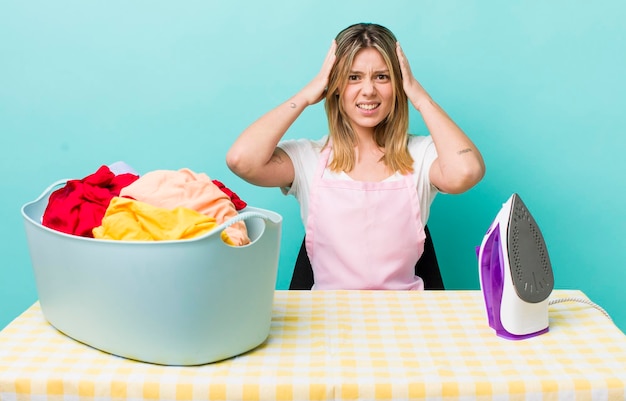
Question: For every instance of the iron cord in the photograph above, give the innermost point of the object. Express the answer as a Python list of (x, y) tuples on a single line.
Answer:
[(579, 299)]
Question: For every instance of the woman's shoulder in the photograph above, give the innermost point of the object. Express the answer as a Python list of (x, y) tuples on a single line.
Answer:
[(423, 151), (420, 144), (419, 140), (303, 145)]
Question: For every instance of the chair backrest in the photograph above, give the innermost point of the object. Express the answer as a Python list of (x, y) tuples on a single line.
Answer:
[(426, 267)]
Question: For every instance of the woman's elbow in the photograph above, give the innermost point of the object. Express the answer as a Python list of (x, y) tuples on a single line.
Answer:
[(237, 163), (465, 179), (473, 176)]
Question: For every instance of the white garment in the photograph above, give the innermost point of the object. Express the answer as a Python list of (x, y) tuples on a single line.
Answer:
[(305, 154)]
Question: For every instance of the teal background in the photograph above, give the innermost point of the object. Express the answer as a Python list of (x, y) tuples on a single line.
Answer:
[(538, 85)]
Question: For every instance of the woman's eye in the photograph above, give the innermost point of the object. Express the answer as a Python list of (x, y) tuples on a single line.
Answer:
[(383, 77), (353, 77)]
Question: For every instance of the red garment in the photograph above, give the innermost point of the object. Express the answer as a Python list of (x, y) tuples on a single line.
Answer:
[(239, 204), (79, 206)]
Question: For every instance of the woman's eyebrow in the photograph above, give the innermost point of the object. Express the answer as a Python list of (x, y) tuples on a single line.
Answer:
[(376, 72)]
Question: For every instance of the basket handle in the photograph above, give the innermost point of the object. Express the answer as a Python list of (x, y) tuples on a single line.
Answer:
[(51, 187), (220, 228), (240, 217)]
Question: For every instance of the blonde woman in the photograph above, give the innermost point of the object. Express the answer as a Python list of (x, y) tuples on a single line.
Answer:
[(364, 189)]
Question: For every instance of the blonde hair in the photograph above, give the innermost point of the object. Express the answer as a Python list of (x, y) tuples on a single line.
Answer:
[(392, 133)]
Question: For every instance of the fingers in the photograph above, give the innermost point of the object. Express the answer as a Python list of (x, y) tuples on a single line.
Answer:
[(413, 89), (315, 91), (332, 50), (329, 61), (405, 68), (324, 74)]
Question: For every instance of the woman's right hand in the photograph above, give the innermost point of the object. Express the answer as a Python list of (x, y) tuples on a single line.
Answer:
[(315, 90), (255, 156), (413, 89)]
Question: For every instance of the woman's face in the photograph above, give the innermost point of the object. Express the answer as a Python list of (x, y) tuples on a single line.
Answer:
[(368, 95)]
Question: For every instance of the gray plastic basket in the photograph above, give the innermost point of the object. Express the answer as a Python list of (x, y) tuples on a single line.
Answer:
[(185, 302)]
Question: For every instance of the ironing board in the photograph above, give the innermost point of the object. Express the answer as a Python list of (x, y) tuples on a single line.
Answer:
[(343, 345)]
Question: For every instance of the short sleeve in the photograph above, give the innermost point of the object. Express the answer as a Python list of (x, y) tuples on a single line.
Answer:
[(424, 153), (304, 154)]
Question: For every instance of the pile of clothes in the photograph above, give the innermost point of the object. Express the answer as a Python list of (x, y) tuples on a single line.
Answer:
[(117, 203)]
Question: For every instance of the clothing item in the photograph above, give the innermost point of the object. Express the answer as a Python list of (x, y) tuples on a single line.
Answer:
[(184, 188), (121, 167), (79, 206), (237, 201), (130, 220), (363, 235), (305, 154)]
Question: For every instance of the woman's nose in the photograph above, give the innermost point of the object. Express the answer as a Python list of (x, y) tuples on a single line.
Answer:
[(368, 86)]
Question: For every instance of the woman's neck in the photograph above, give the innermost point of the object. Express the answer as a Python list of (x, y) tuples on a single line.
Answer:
[(369, 164), (365, 140)]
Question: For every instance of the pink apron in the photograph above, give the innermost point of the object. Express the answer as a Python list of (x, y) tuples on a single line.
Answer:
[(364, 235)]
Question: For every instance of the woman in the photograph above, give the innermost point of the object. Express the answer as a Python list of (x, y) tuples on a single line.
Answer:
[(365, 189)]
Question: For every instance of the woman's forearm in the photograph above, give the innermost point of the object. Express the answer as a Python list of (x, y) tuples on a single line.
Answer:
[(459, 164), (252, 154)]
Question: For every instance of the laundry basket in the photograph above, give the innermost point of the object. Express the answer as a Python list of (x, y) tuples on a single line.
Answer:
[(184, 302)]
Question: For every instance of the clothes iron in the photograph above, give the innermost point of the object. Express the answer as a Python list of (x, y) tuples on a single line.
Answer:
[(515, 273)]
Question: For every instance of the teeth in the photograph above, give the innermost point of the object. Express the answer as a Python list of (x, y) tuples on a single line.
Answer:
[(367, 106)]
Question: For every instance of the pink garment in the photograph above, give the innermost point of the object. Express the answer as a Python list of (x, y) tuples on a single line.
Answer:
[(184, 188), (364, 235)]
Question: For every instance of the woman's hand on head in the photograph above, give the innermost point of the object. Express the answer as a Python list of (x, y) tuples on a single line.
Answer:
[(315, 90), (459, 164), (413, 89)]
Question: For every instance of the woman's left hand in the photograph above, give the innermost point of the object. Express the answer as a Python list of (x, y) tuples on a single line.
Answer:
[(459, 164), (413, 89)]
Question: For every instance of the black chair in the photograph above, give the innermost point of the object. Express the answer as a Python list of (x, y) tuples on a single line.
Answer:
[(426, 267)]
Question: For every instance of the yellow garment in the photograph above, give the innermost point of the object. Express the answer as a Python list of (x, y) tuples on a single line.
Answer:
[(131, 220), (184, 188)]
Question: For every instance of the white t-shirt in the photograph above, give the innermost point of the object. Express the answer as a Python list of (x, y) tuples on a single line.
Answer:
[(305, 154)]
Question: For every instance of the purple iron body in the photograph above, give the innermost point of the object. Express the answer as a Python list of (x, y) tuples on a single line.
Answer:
[(515, 273)]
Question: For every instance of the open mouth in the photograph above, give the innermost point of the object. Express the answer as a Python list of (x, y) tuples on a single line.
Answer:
[(368, 106)]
